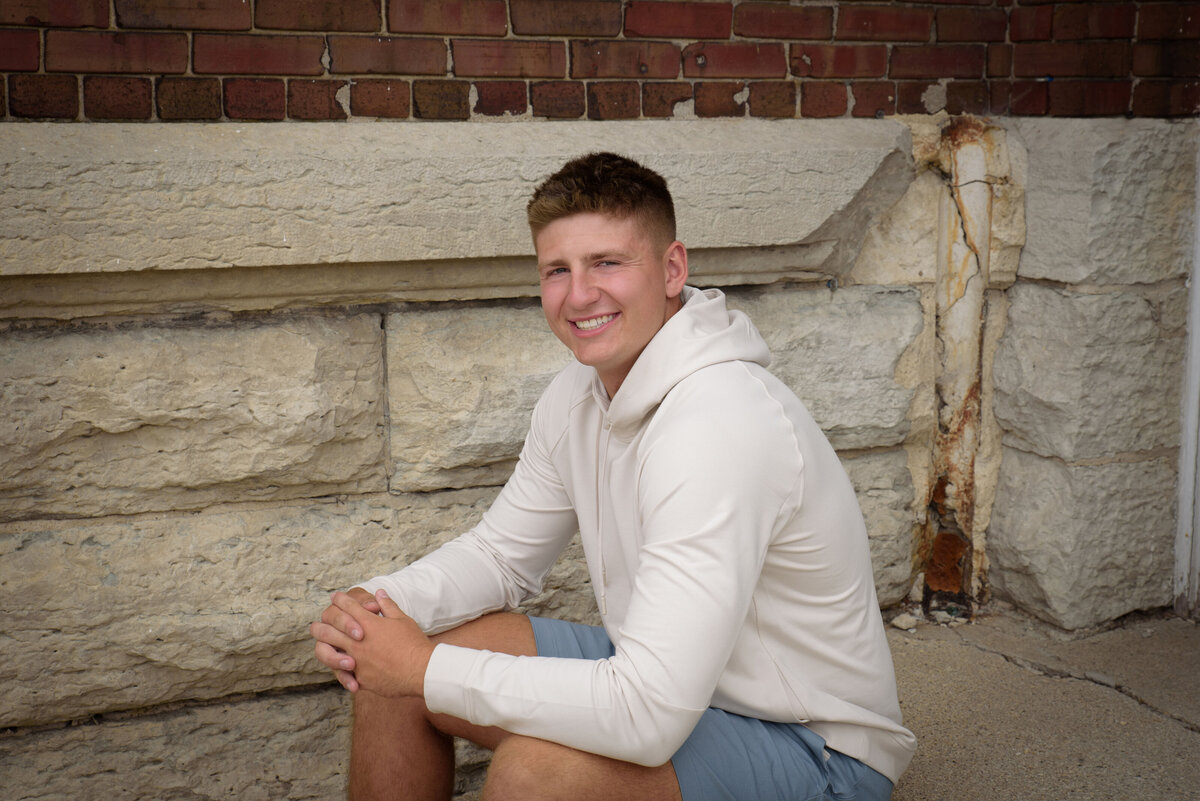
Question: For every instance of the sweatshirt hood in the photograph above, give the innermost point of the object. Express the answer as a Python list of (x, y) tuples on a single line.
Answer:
[(702, 333)]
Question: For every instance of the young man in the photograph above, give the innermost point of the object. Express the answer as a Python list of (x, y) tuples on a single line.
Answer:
[(742, 654)]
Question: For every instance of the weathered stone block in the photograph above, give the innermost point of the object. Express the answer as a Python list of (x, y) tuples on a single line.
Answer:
[(901, 248), (1082, 376), (462, 384), (124, 613), (128, 613), (839, 351), (885, 494), (1079, 545), (156, 417), (1108, 201), (119, 198), (291, 746)]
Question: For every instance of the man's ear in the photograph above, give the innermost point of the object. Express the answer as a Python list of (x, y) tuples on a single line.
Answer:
[(677, 268)]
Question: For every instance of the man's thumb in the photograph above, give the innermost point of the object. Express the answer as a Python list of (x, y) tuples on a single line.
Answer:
[(388, 607)]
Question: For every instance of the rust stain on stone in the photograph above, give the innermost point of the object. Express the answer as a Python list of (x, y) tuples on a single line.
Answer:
[(945, 570), (964, 131)]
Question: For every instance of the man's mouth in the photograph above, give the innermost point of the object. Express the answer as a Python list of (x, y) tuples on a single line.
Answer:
[(593, 323)]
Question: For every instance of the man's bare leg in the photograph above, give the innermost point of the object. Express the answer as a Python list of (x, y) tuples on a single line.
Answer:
[(398, 750)]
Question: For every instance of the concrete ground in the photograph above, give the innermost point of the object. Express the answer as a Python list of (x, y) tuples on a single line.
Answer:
[(1009, 708)]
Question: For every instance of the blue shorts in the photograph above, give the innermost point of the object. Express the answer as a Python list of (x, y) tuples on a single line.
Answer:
[(729, 757)]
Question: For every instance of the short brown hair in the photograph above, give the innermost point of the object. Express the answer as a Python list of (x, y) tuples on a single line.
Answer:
[(604, 183)]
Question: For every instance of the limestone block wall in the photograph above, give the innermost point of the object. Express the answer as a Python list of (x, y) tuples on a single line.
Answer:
[(1088, 371), (242, 366)]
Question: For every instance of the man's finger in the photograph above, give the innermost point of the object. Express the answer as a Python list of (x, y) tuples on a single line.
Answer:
[(388, 607), (334, 616), (357, 612), (335, 639), (347, 680)]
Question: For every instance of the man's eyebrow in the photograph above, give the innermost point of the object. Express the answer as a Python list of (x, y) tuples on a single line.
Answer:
[(588, 257), (616, 253)]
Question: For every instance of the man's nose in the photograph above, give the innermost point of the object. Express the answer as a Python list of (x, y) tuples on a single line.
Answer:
[(583, 289)]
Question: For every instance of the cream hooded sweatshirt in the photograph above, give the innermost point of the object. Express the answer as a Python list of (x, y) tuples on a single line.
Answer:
[(726, 550)]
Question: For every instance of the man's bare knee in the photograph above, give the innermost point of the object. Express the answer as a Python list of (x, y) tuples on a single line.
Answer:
[(529, 769), (521, 769)]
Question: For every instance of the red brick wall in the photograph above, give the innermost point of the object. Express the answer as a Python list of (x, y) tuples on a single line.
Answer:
[(593, 59)]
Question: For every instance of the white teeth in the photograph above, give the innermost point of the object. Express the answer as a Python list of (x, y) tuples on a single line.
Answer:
[(595, 322)]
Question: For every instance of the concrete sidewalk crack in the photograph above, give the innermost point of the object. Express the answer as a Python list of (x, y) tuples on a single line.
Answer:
[(1092, 677)]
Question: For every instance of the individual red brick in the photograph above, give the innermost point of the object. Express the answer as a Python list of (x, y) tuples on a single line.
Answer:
[(255, 99), (839, 61), (823, 99), (556, 18), (385, 55), (1029, 98), (734, 60), (1071, 59), (719, 99), (1109, 21), (773, 99), (660, 99), (318, 15), (1031, 24), (453, 17), (1168, 21), (441, 100), (773, 21), (19, 51), (873, 98), (884, 24), (55, 13), (679, 20), (1090, 98), (314, 100), (1166, 59), (613, 100), (380, 97), (250, 54), (1166, 98), (621, 59), (938, 61), (107, 97), (188, 98), (498, 98), (915, 97), (999, 60), (212, 15), (972, 24), (43, 96), (967, 97), (85, 51), (486, 58), (999, 97), (558, 99)]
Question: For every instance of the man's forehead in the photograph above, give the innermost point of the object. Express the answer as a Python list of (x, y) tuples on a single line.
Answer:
[(643, 226)]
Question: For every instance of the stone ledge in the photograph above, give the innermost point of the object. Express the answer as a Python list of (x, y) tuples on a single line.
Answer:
[(253, 217), (302, 286)]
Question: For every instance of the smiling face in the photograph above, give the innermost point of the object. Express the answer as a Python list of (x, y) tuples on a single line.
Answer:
[(607, 287)]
